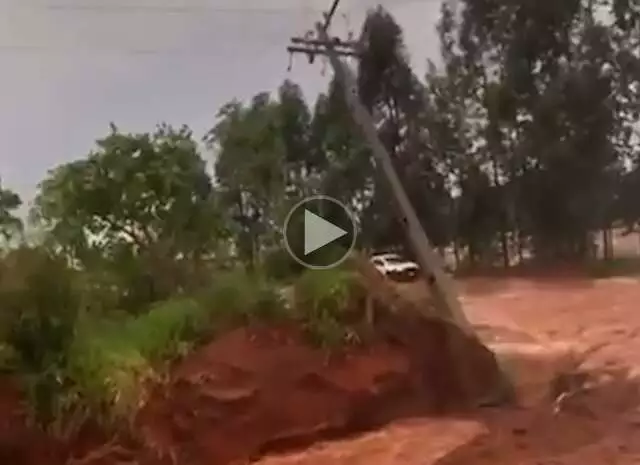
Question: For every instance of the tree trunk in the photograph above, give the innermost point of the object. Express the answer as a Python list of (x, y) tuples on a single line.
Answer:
[(520, 246), (472, 254), (456, 253), (605, 245), (504, 242)]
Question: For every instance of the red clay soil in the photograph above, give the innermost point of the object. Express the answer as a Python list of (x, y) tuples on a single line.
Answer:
[(257, 391), (598, 427), (20, 444), (262, 390)]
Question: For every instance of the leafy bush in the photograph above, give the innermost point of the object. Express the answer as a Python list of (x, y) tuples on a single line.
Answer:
[(239, 297), (38, 305), (324, 302), (113, 362), (79, 360), (99, 362), (162, 333), (280, 266)]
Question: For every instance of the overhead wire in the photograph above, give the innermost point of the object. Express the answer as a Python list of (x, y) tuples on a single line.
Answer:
[(208, 7), (168, 9), (263, 38), (306, 13), (79, 48)]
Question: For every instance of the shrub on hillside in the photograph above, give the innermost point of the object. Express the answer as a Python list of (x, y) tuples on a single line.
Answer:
[(38, 306), (238, 297), (280, 266), (325, 301), (99, 364), (113, 362), (94, 362)]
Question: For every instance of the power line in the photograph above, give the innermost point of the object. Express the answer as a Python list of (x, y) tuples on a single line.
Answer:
[(205, 8), (45, 49), (199, 10), (183, 10), (260, 40)]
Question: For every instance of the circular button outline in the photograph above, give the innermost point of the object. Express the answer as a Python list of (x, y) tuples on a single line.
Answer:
[(353, 235)]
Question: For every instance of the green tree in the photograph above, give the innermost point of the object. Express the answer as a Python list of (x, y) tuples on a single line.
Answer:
[(270, 153), (141, 204), (551, 120), (10, 223), (343, 160), (251, 171), (396, 98)]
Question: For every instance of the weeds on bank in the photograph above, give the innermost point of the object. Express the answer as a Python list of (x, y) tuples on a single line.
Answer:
[(38, 305), (239, 297), (113, 363), (77, 365), (325, 301)]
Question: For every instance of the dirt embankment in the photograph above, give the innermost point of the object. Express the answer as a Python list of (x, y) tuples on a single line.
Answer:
[(598, 426), (262, 389), (21, 444)]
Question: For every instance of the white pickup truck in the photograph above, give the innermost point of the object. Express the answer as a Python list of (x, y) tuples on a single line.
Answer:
[(395, 267)]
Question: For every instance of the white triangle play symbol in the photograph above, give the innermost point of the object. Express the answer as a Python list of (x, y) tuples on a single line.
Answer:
[(318, 232)]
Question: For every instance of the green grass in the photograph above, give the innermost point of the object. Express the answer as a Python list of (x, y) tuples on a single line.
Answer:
[(112, 362), (108, 362), (323, 303), (240, 297)]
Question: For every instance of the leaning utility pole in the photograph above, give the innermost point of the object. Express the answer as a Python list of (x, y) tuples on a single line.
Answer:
[(440, 284)]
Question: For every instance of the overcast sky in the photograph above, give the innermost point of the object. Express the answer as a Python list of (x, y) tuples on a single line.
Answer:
[(69, 67)]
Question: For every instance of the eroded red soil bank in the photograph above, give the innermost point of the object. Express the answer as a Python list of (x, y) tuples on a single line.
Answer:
[(262, 389)]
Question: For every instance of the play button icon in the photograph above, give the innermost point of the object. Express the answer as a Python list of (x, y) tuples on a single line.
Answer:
[(319, 232)]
